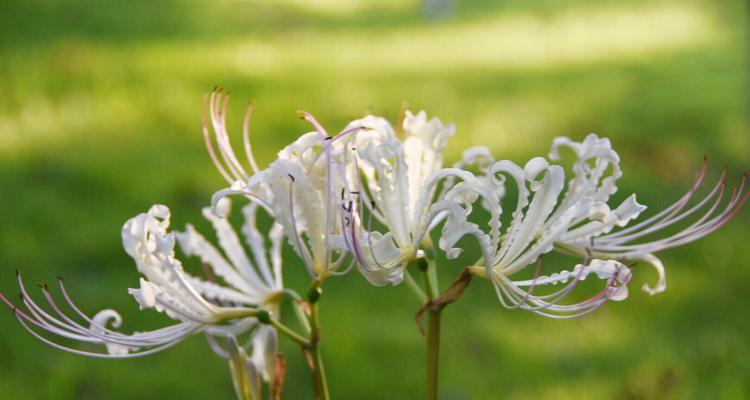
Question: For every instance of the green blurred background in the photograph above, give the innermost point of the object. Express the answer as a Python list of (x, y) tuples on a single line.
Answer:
[(100, 106)]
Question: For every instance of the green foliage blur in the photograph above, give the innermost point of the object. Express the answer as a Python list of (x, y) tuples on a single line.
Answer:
[(100, 113)]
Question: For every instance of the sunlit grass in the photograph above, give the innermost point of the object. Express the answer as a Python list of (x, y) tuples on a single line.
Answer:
[(129, 84), (347, 8)]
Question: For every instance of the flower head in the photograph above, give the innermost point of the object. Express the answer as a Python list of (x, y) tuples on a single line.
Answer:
[(301, 190), (196, 304), (395, 182), (578, 221), (612, 237), (543, 214)]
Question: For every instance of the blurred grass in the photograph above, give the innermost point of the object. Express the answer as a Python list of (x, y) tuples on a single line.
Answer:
[(99, 119)]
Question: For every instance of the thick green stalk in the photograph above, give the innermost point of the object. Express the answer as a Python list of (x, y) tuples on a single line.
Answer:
[(315, 358), (433, 332), (319, 375), (433, 353)]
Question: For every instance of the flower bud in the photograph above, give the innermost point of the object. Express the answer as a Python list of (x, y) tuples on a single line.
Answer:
[(419, 263), (264, 317), (313, 295)]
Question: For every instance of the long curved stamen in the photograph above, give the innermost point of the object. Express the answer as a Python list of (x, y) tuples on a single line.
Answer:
[(318, 127), (674, 208), (706, 224), (111, 337), (92, 354), (97, 334), (302, 250), (70, 329), (239, 188), (360, 194), (365, 199), (521, 298), (85, 317), (37, 311), (674, 216), (209, 147), (216, 347), (346, 270), (555, 297), (218, 109), (537, 273), (369, 242), (566, 312), (328, 141), (329, 181), (355, 248), (246, 137)]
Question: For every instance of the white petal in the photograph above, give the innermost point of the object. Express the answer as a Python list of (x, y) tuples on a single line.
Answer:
[(265, 344), (424, 146), (588, 181), (194, 244), (546, 192), (661, 284)]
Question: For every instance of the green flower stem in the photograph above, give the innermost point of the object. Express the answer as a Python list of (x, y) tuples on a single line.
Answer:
[(315, 358), (301, 317), (429, 283), (433, 333), (432, 275), (285, 330), (235, 313), (433, 353), (414, 287)]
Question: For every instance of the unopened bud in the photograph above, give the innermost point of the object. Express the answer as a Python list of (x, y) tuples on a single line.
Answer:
[(264, 317), (313, 295), (419, 263)]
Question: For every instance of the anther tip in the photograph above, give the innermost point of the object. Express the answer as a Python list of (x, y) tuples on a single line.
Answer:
[(705, 157), (13, 310), (60, 278), (18, 272)]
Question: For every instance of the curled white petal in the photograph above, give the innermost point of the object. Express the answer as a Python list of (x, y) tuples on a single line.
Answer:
[(661, 283)]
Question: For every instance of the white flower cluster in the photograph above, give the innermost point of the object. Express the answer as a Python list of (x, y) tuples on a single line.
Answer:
[(376, 197)]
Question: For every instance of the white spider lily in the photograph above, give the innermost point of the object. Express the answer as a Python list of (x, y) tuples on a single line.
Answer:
[(198, 305), (300, 190), (400, 183), (540, 219), (596, 239)]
